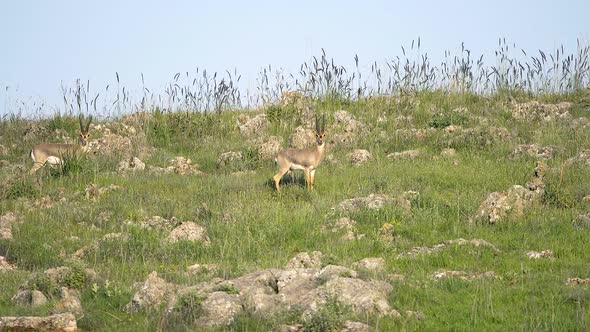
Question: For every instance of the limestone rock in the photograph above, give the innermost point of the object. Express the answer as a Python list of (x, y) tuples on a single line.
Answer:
[(54, 323), (305, 260), (406, 155), (302, 138), (359, 156), (152, 292), (229, 157), (373, 264), (189, 231), (131, 165), (251, 127)]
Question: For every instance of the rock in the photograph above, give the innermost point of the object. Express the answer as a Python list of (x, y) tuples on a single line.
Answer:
[(359, 156), (583, 220), (372, 202), (156, 223), (582, 157), (54, 323), (69, 302), (179, 165), (534, 110), (346, 225), (462, 275), (270, 292), (130, 165), (448, 153), (499, 204), (304, 260), (189, 231), (586, 198), (387, 233), (294, 99), (29, 298), (417, 315), (413, 133), (577, 281), (416, 251), (452, 129), (302, 138), (291, 328), (269, 147), (93, 192), (540, 254), (202, 268), (335, 271), (364, 297), (253, 127), (346, 129), (534, 150), (219, 309), (110, 237), (4, 265), (6, 222), (4, 151), (229, 157), (184, 166), (350, 326), (406, 155), (376, 264), (153, 292)]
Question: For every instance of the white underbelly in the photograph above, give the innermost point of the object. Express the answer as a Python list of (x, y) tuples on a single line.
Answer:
[(52, 160), (294, 167)]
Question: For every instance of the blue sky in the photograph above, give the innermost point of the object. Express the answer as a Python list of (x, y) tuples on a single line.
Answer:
[(44, 43)]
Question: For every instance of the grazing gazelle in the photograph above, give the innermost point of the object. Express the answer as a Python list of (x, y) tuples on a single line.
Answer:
[(53, 153), (306, 159)]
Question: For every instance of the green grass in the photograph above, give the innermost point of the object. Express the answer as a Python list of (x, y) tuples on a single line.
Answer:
[(267, 228)]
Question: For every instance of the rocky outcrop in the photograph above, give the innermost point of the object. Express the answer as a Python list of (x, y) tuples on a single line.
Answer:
[(54, 323), (229, 157), (253, 127), (303, 285), (151, 293), (302, 138), (346, 129), (375, 202), (534, 150), (130, 165), (179, 165), (6, 222), (188, 231), (405, 155), (535, 110), (359, 156), (498, 205), (418, 251)]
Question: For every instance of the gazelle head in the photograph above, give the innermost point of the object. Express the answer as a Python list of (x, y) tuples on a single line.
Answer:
[(84, 131), (320, 132)]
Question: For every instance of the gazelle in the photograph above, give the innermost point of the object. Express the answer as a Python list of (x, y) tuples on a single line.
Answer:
[(53, 153), (306, 159)]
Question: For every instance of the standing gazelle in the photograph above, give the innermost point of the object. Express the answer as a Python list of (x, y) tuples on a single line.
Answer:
[(306, 159), (53, 153)]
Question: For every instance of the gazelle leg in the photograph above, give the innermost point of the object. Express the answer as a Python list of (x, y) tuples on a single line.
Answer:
[(277, 178), (312, 176), (36, 167), (307, 179)]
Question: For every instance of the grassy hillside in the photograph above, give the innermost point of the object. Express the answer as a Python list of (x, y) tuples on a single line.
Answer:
[(251, 226)]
